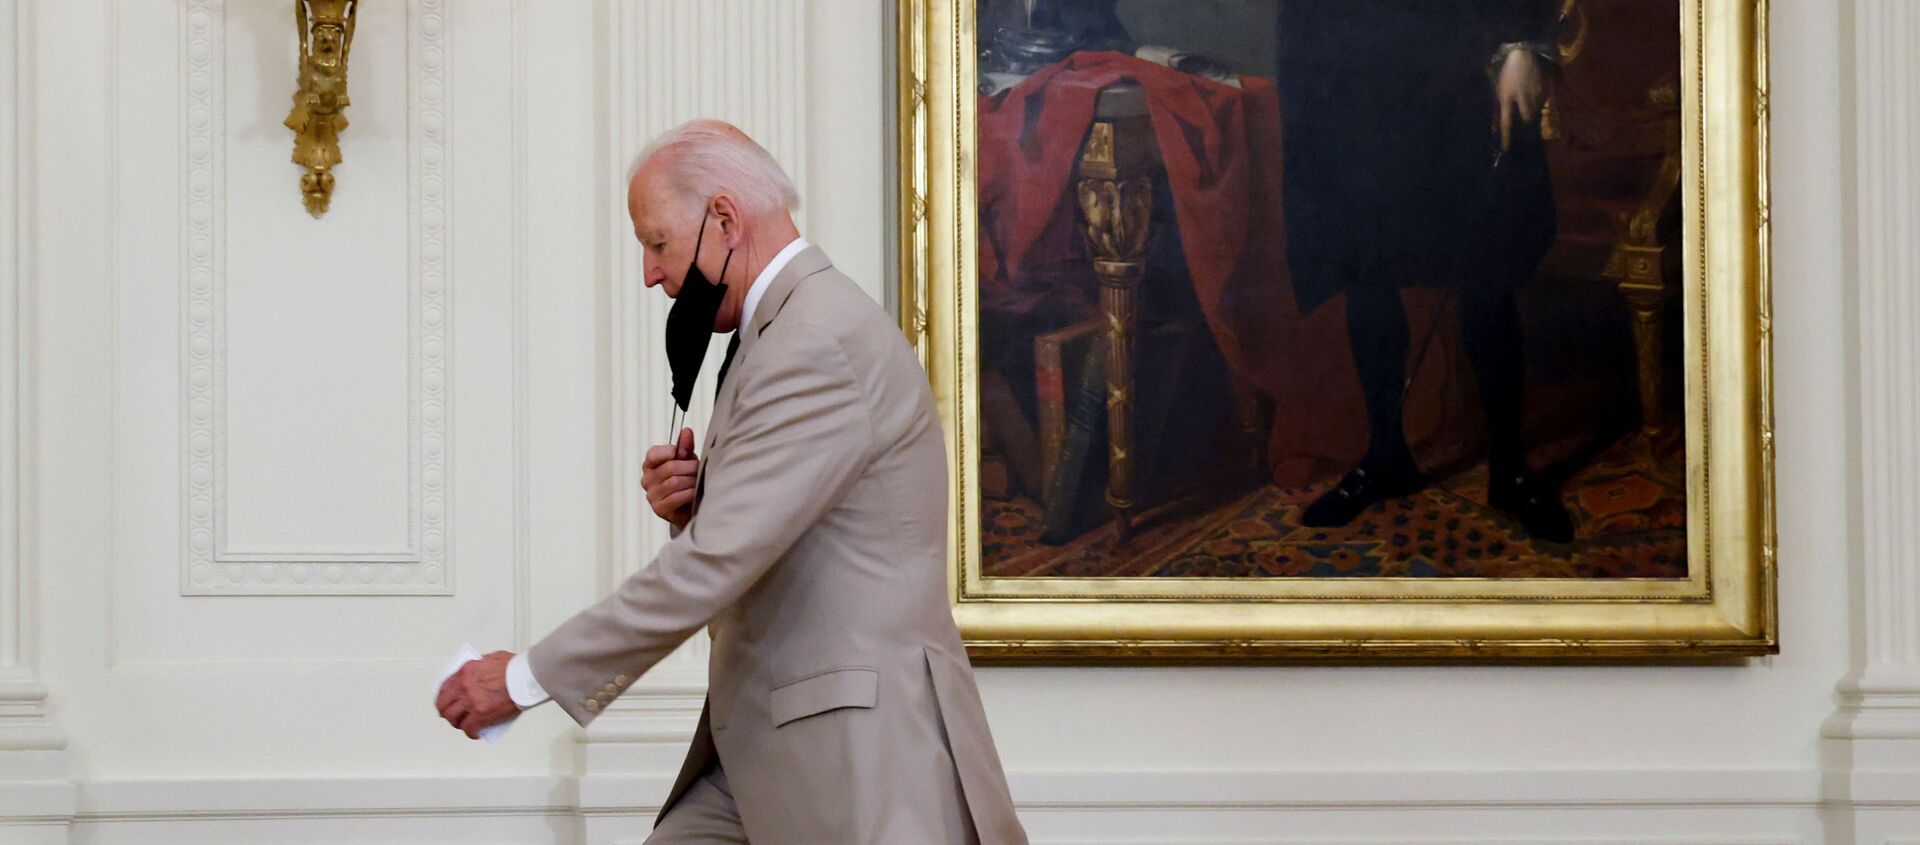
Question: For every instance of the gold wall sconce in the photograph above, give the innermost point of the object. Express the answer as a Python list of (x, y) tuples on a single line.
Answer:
[(318, 115)]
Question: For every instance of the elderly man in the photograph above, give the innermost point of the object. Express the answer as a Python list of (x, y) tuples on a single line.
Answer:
[(810, 538)]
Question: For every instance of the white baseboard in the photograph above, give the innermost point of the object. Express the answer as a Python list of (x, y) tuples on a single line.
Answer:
[(1423, 790), (329, 811), (1758, 807), (291, 798)]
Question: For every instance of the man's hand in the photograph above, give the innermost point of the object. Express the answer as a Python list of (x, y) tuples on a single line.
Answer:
[(668, 474), (1521, 89), (476, 696)]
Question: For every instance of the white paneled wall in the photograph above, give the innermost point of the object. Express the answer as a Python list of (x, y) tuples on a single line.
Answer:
[(312, 421), (259, 473), (312, 464)]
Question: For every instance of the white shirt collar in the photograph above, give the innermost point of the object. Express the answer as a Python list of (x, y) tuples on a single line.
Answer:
[(759, 287)]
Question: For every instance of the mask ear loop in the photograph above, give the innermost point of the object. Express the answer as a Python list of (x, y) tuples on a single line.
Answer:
[(721, 285), (674, 415), (724, 263), (700, 235)]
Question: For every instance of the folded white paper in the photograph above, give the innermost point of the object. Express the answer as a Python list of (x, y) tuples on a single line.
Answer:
[(462, 657)]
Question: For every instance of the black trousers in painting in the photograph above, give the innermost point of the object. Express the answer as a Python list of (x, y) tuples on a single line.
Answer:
[(1378, 331)]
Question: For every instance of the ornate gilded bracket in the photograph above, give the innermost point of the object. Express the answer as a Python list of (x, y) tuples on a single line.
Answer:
[(326, 35)]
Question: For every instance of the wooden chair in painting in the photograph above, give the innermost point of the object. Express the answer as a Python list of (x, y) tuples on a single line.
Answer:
[(1613, 128)]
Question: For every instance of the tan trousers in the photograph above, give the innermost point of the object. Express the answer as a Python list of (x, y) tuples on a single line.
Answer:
[(705, 815)]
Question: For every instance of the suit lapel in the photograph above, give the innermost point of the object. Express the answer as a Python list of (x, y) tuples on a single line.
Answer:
[(810, 261)]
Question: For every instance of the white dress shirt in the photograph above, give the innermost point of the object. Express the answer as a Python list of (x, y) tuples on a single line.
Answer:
[(521, 685)]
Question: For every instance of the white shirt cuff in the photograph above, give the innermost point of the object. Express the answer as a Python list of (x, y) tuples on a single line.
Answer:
[(522, 687)]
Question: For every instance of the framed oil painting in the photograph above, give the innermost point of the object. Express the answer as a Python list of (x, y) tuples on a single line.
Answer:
[(1371, 329)]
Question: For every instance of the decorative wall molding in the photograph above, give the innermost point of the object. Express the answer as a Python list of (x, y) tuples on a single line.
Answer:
[(36, 795), (1283, 839), (1873, 737), (20, 696), (522, 394), (25, 722), (1035, 792), (209, 566), (1881, 701), (1636, 807)]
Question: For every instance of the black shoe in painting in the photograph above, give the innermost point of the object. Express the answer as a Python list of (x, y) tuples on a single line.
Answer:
[(1538, 509), (1362, 488)]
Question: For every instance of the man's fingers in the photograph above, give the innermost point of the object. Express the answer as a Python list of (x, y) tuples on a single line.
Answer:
[(670, 481), (1506, 125), (661, 498), (673, 484), (673, 503), (681, 450), (665, 484), (657, 455), (667, 505), (449, 690), (667, 469)]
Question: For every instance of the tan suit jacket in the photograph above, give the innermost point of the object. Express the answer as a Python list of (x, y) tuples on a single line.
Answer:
[(840, 698)]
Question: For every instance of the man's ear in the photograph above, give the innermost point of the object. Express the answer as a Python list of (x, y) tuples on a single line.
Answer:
[(727, 213)]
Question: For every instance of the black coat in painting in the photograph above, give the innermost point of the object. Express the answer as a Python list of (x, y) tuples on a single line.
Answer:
[(1393, 169)]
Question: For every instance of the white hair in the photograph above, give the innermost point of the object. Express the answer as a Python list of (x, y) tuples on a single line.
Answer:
[(712, 157)]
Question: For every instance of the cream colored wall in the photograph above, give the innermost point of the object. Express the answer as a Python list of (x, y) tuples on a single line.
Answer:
[(293, 717)]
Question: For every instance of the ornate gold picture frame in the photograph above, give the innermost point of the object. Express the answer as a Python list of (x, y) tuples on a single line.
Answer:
[(1709, 270)]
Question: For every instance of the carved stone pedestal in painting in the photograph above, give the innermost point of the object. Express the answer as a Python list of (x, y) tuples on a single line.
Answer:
[(1114, 184)]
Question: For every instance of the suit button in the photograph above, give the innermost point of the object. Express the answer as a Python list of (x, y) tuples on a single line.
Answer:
[(621, 679), (593, 704), (611, 690)]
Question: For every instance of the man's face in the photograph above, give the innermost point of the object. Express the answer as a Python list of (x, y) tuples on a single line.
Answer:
[(666, 236)]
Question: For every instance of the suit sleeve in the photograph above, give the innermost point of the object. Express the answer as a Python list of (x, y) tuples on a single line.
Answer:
[(797, 438)]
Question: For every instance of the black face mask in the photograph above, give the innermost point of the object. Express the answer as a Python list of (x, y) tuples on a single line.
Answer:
[(690, 322)]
